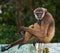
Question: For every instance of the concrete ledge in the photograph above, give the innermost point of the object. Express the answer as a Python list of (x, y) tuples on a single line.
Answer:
[(29, 48)]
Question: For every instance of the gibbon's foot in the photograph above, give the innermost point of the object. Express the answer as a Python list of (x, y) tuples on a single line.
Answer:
[(34, 43), (19, 46), (4, 48)]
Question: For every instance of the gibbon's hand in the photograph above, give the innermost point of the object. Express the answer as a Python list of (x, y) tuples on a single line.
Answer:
[(22, 33), (19, 46)]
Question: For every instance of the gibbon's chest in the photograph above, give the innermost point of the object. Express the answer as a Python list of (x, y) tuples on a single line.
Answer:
[(40, 27)]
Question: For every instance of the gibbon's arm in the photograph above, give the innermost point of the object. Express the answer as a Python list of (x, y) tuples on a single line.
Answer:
[(50, 34)]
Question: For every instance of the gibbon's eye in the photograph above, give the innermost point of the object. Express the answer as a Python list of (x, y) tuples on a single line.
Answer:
[(39, 14)]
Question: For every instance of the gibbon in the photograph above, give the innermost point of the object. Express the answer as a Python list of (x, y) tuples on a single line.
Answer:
[(43, 30)]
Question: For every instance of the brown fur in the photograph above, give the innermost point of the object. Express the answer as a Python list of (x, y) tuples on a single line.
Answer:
[(43, 32)]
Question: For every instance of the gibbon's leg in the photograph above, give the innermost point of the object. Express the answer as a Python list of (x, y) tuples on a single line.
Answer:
[(21, 41)]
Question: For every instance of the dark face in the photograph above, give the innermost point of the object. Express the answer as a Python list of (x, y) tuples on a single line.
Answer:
[(39, 14)]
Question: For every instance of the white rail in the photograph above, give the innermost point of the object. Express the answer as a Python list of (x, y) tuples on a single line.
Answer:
[(29, 48)]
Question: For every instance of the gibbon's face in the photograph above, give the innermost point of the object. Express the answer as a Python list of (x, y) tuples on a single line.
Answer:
[(39, 13)]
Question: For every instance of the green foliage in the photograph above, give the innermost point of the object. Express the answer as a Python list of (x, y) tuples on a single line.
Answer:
[(7, 32)]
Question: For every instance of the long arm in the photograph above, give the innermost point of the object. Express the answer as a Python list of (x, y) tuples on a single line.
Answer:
[(50, 34), (20, 41)]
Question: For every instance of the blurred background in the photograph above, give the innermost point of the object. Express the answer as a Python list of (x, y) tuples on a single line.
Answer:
[(15, 13)]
